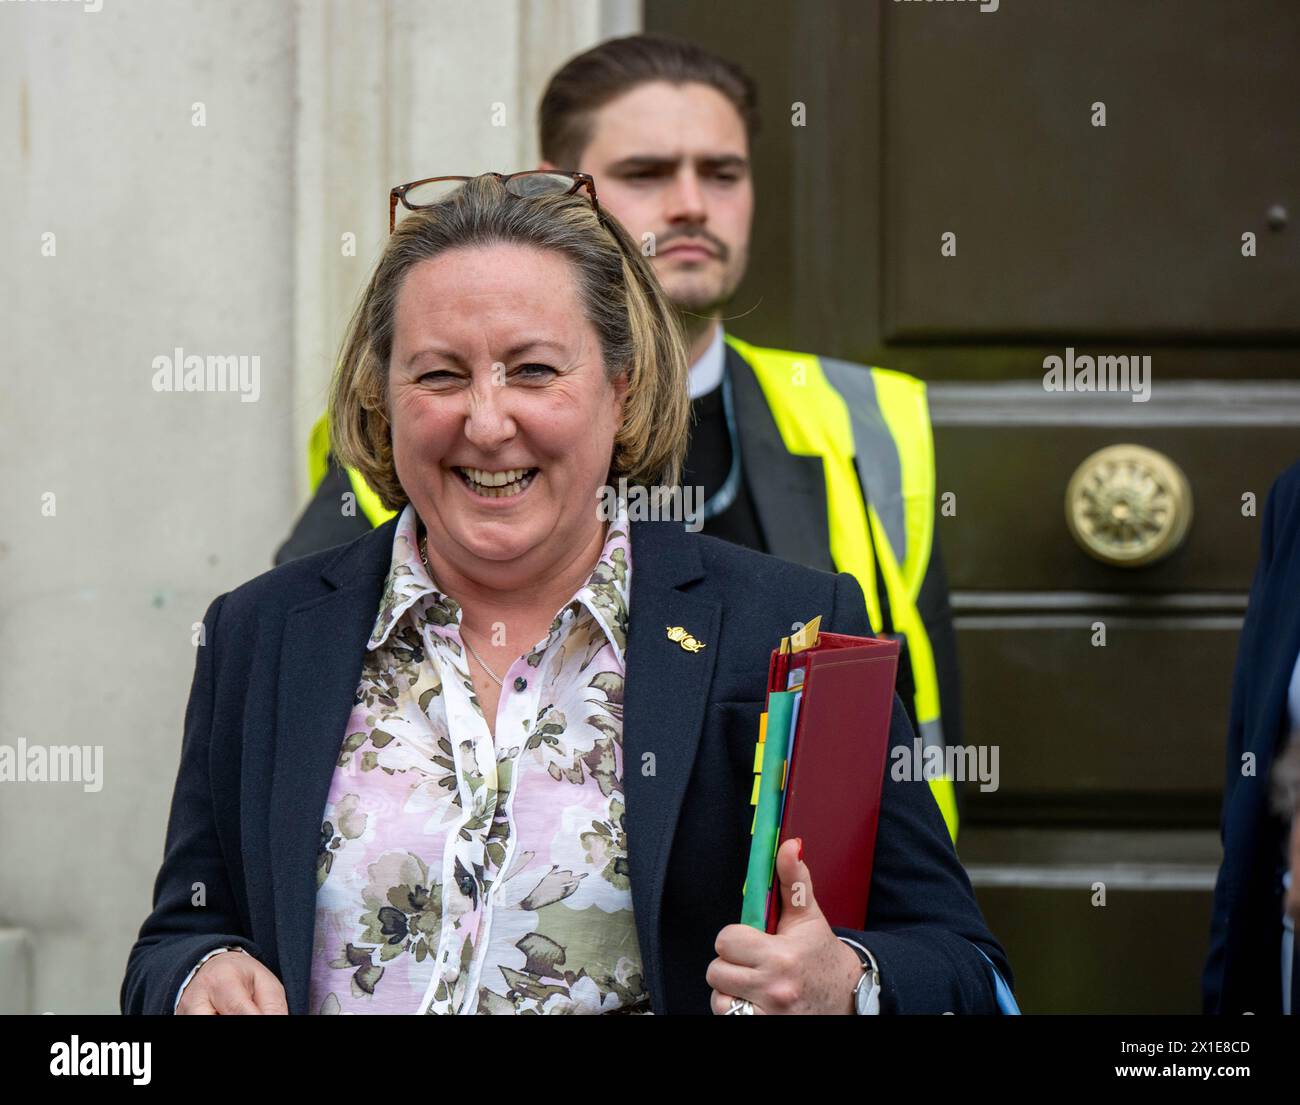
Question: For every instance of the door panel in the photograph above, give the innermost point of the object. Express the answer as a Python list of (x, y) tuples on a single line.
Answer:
[(1064, 227), (1008, 471)]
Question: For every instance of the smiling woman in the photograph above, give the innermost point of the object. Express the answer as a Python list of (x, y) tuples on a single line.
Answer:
[(560, 288), (503, 413), (509, 360), (444, 769)]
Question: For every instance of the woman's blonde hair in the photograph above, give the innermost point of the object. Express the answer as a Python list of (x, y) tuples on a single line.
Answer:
[(620, 297)]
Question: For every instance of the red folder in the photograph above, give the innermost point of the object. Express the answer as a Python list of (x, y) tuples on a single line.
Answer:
[(837, 767)]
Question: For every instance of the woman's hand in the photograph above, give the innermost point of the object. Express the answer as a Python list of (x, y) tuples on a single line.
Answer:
[(233, 982), (801, 968)]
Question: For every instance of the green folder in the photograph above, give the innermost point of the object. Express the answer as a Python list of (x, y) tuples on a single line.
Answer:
[(767, 817)]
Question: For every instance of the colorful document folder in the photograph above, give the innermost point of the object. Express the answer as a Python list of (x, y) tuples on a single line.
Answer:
[(819, 766)]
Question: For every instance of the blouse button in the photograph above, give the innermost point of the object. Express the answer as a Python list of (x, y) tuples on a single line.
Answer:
[(520, 683)]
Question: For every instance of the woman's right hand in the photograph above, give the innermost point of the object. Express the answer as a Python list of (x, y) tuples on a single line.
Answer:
[(233, 983)]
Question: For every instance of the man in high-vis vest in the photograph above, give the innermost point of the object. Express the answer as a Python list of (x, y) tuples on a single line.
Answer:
[(816, 460)]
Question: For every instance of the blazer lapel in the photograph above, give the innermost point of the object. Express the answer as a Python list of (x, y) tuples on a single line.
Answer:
[(666, 692), (789, 491), (666, 689), (320, 663)]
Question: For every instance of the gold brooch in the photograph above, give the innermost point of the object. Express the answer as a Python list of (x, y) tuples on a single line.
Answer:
[(683, 638)]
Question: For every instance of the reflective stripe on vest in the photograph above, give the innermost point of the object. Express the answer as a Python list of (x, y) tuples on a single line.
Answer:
[(893, 451), (318, 451), (871, 427)]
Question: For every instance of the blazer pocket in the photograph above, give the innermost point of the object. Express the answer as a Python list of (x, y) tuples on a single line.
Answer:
[(737, 725), (734, 726)]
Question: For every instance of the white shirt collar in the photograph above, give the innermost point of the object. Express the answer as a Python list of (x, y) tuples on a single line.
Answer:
[(706, 373), (607, 594)]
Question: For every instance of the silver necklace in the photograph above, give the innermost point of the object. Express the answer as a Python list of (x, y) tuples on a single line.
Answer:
[(473, 652)]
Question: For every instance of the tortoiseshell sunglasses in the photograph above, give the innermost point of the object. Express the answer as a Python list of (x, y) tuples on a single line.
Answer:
[(525, 184)]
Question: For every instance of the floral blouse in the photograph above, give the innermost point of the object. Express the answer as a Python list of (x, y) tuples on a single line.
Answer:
[(458, 874)]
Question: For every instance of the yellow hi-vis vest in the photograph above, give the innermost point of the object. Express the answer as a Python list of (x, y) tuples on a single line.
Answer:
[(318, 452), (871, 427)]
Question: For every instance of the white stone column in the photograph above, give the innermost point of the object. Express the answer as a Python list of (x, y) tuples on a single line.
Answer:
[(180, 175)]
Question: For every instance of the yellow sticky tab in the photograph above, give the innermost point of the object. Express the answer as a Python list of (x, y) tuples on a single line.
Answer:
[(758, 759), (762, 727), (753, 798), (752, 826), (807, 636), (784, 764)]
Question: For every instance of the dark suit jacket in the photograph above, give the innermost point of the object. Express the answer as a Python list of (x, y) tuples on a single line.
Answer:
[(273, 688), (1244, 970)]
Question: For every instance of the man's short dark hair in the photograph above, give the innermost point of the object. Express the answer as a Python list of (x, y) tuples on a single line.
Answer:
[(588, 82)]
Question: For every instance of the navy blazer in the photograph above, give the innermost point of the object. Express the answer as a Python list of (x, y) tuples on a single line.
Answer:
[(1243, 973), (276, 680)]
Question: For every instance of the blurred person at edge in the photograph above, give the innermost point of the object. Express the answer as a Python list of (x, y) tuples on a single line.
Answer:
[(1250, 968), (383, 823), (667, 128)]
